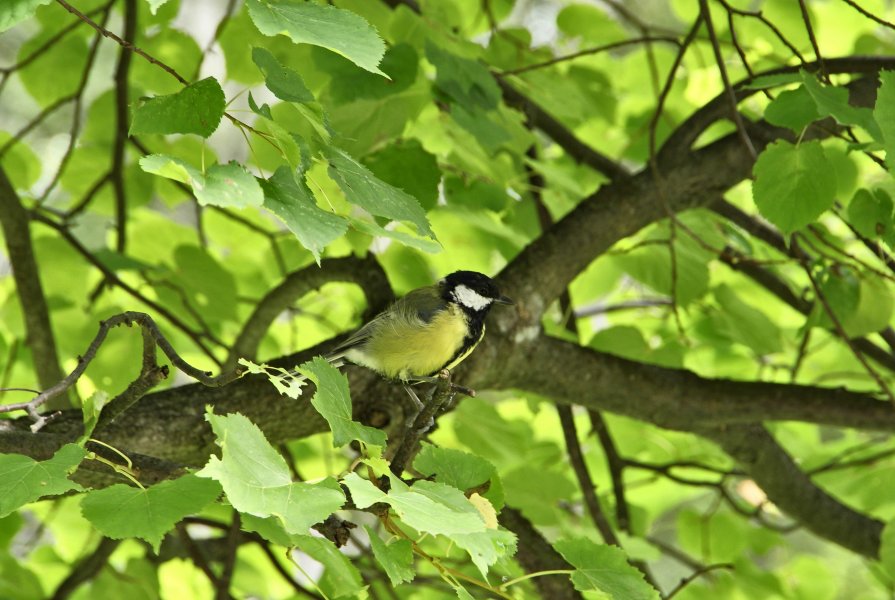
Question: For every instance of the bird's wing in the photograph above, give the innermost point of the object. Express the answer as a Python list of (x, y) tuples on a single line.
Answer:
[(420, 305)]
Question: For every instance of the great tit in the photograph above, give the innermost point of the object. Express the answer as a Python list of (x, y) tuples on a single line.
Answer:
[(430, 329)]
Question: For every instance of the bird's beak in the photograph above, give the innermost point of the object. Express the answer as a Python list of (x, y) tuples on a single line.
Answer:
[(504, 300)]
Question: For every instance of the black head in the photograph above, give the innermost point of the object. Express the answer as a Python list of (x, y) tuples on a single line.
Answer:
[(473, 291)]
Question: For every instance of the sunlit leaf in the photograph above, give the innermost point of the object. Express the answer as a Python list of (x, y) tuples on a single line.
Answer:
[(24, 480), (122, 511), (257, 480), (333, 401), (793, 184), (341, 31), (197, 108), (605, 569)]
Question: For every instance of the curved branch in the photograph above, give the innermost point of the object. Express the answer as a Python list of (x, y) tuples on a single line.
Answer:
[(367, 273), (792, 490)]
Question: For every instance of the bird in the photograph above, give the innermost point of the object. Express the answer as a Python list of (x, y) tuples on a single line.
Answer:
[(426, 331), (429, 329)]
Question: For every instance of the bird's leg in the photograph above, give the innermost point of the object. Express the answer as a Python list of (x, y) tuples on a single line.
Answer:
[(416, 400)]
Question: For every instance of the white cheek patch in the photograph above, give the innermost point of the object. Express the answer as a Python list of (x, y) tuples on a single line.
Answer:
[(470, 298)]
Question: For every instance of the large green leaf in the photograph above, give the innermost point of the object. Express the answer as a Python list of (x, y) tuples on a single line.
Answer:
[(197, 108), (285, 83), (24, 480), (333, 401), (229, 185), (746, 324), (341, 31), (288, 196), (453, 467), (871, 214), (794, 184), (427, 506), (257, 480), (341, 579), (375, 196), (795, 109), (395, 557), (123, 511), (16, 11), (604, 569), (833, 101)]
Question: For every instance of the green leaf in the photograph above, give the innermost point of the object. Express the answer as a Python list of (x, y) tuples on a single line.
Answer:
[(795, 109), (487, 547), (154, 5), (123, 511), (408, 239), (604, 569), (333, 401), (427, 506), (467, 82), (285, 83), (348, 83), (24, 480), (13, 12), (288, 197), (486, 131), (793, 184), (884, 113), (229, 185), (870, 213), (171, 168), (746, 324), (874, 309), (406, 165), (375, 196), (197, 108), (651, 264), (340, 578), (453, 467), (341, 31), (257, 480), (395, 557), (833, 101)]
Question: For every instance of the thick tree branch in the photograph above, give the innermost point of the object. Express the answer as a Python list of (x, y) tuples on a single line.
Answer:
[(39, 331), (675, 398), (792, 490), (535, 555)]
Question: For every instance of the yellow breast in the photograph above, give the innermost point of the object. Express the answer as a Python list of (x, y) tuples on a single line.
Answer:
[(402, 350)]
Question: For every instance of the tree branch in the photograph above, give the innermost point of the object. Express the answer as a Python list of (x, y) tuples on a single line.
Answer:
[(38, 330), (366, 273)]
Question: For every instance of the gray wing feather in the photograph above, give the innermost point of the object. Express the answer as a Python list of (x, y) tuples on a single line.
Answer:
[(419, 305)]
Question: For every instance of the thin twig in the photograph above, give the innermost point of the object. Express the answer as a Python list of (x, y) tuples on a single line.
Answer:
[(122, 101), (86, 569), (589, 52), (725, 80), (687, 580), (616, 469), (579, 467), (149, 329)]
